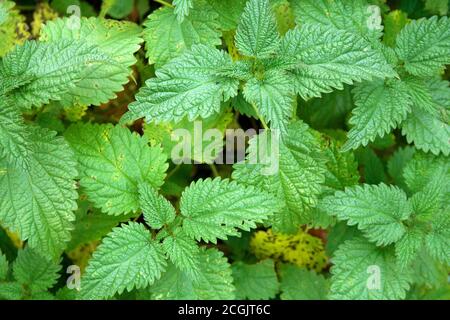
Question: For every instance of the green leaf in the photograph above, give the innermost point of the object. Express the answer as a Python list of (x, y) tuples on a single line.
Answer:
[(191, 85), (377, 210), (167, 38), (118, 9), (11, 291), (157, 210), (215, 281), (356, 266), (302, 284), (407, 248), (427, 131), (257, 35), (37, 72), (215, 209), (35, 272), (117, 40), (427, 271), (294, 174), (255, 281), (228, 12), (353, 17), (322, 59), (394, 22), (437, 241), (424, 45), (397, 163), (380, 107), (112, 162), (183, 251), (4, 266), (128, 258), (38, 202), (182, 8), (437, 6), (273, 97)]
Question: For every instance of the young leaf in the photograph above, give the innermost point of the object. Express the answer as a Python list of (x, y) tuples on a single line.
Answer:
[(424, 45), (128, 258), (322, 59), (407, 248), (365, 272), (301, 284), (255, 281), (191, 85), (377, 210), (380, 107), (112, 162), (215, 209), (157, 210), (257, 35), (182, 8), (38, 202), (166, 38)]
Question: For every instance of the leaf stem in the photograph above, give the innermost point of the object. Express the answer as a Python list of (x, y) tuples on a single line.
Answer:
[(214, 170), (164, 3), (260, 117)]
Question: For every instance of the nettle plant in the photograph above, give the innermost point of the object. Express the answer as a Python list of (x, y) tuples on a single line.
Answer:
[(79, 187)]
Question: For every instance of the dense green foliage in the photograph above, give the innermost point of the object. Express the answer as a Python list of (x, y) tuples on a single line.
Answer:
[(354, 99)]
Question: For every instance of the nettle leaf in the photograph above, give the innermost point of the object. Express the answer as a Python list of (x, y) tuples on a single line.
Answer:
[(128, 258), (182, 8), (377, 210), (229, 12), (427, 131), (397, 163), (117, 40), (365, 272), (38, 202), (191, 85), (166, 38), (302, 284), (35, 73), (157, 210), (273, 96), (354, 17), (255, 281), (380, 107), (407, 248), (215, 209), (215, 281), (424, 45), (257, 35), (322, 59), (183, 251), (437, 242), (294, 174), (35, 272), (112, 162)]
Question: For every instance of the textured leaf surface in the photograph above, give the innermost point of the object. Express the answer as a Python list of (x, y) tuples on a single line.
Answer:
[(229, 12), (257, 34), (182, 8), (356, 263), (302, 284), (323, 59), (424, 45), (117, 40), (38, 202), (127, 258), (255, 281), (157, 210), (183, 251), (215, 209), (112, 162), (377, 210), (167, 38), (191, 85)]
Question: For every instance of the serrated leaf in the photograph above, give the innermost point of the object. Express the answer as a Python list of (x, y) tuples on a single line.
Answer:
[(322, 59), (183, 251), (424, 45), (302, 284), (407, 248), (377, 210), (255, 281), (216, 209), (354, 17), (37, 72), (112, 162), (38, 202), (397, 163), (365, 272), (11, 291), (192, 85), (293, 174), (128, 258), (437, 241), (380, 107), (117, 40), (229, 12), (167, 38), (182, 8), (215, 281), (35, 272), (257, 35), (157, 210)]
